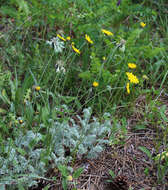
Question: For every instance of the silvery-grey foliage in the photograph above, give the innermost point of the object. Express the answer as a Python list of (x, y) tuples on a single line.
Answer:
[(22, 158), (84, 138)]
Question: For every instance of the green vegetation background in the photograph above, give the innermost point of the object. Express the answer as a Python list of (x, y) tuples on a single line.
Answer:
[(42, 88)]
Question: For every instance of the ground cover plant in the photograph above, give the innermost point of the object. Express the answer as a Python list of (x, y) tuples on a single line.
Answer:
[(78, 77)]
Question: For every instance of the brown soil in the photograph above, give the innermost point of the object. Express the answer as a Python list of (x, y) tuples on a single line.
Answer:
[(132, 167), (128, 162)]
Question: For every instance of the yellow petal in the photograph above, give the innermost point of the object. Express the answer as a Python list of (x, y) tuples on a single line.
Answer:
[(37, 88), (95, 84), (131, 65), (142, 24), (59, 36), (128, 87), (68, 38), (88, 39), (107, 32), (75, 49)]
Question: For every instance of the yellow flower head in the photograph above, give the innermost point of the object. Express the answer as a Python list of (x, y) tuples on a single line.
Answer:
[(104, 58), (95, 84), (142, 24), (37, 88), (20, 121), (88, 39), (108, 33), (68, 38), (132, 78), (60, 37), (75, 49), (128, 87), (131, 65), (69, 178)]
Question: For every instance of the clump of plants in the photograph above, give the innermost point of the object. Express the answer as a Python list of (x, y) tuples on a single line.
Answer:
[(60, 57), (27, 156)]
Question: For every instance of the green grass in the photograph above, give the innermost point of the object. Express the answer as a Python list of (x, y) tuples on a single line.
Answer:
[(66, 78)]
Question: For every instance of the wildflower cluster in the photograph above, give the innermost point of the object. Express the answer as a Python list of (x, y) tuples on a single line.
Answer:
[(131, 77), (59, 45)]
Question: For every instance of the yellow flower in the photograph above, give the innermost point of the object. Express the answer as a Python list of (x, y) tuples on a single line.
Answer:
[(75, 49), (60, 37), (88, 39), (128, 87), (37, 88), (104, 58), (108, 33), (142, 24), (131, 65), (68, 38), (69, 178), (132, 78), (95, 84), (20, 121)]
